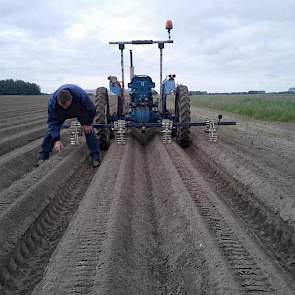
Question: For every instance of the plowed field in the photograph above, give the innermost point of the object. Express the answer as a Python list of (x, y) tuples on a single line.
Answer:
[(153, 218)]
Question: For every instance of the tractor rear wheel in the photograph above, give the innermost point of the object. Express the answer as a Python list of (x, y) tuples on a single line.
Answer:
[(102, 114), (182, 115)]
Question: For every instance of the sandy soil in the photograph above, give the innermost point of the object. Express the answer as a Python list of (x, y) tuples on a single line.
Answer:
[(260, 156), (153, 218)]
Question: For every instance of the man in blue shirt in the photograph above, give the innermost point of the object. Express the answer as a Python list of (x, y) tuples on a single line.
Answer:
[(69, 101)]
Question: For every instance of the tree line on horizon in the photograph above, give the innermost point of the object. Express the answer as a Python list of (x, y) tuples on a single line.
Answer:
[(18, 87)]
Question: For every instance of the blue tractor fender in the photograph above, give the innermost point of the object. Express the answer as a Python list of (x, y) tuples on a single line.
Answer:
[(168, 86), (115, 88)]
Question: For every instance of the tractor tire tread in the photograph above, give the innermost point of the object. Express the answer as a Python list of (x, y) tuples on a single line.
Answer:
[(183, 133), (101, 101)]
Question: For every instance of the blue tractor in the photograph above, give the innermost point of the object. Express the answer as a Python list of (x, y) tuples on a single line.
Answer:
[(146, 109)]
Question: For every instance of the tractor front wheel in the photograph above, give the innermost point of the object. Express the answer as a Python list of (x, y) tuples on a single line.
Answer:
[(102, 114), (182, 115)]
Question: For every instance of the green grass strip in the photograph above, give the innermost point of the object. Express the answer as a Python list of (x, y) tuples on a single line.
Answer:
[(269, 107)]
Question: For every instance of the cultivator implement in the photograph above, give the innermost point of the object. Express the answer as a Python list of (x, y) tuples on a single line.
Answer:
[(120, 130), (166, 127), (166, 131), (211, 130), (76, 132)]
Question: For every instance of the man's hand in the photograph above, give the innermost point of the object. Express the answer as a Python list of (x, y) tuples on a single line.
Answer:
[(87, 129), (58, 146)]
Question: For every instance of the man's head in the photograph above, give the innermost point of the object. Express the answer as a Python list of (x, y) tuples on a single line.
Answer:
[(64, 99)]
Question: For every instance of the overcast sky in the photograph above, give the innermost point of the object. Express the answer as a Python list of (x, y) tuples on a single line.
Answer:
[(219, 45)]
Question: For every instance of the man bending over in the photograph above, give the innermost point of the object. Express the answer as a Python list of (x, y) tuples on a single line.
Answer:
[(69, 101)]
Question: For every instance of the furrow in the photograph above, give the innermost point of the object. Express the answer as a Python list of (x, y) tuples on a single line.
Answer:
[(12, 193), (19, 113), (17, 128), (131, 259), (232, 247), (23, 120), (21, 208), (21, 161), (194, 262), (73, 265), (17, 140), (274, 232), (56, 216)]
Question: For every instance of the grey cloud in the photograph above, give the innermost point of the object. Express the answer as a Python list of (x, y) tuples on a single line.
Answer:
[(225, 45), (38, 19)]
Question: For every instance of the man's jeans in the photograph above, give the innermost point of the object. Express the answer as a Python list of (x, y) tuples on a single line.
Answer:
[(91, 141)]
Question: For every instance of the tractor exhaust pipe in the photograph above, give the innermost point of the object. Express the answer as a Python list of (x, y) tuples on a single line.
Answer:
[(131, 66), (161, 47), (121, 99)]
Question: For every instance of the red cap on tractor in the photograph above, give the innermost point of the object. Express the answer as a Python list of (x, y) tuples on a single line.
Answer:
[(169, 26)]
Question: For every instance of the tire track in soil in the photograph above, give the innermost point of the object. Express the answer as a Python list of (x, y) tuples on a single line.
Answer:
[(145, 243), (47, 231), (254, 272), (134, 261), (73, 265), (33, 250), (194, 264), (274, 234), (126, 258), (23, 203), (138, 230)]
